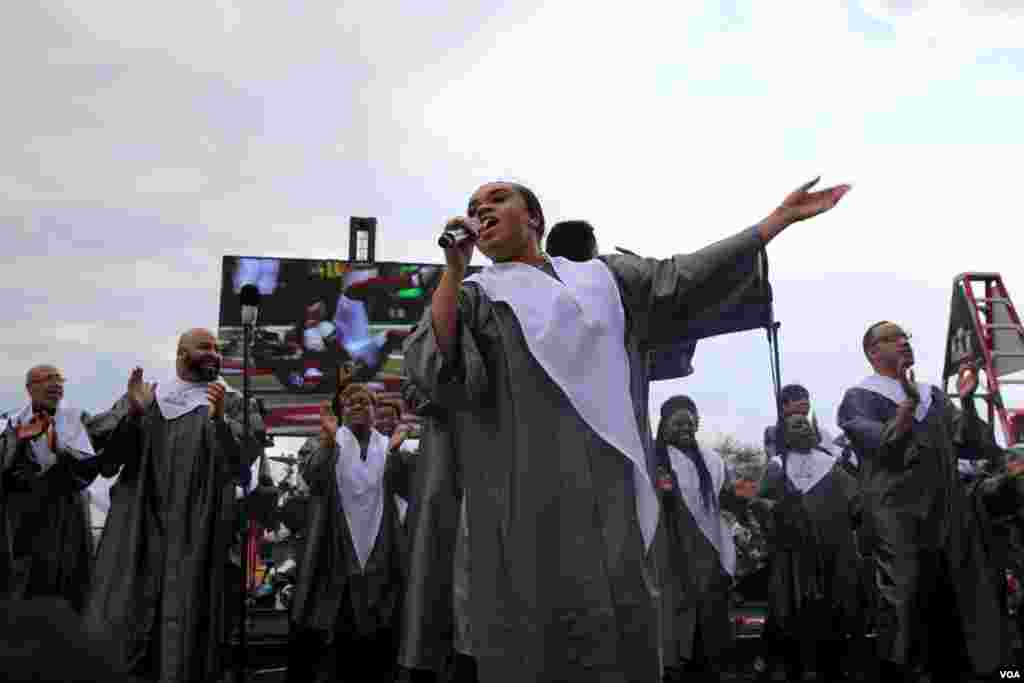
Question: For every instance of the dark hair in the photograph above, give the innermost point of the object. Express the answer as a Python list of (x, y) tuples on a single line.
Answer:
[(675, 404), (573, 240), (532, 205), (869, 336), (794, 392)]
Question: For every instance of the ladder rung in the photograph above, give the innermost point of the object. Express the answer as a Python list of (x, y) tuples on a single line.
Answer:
[(993, 300), (1008, 354), (1000, 326), (1011, 381)]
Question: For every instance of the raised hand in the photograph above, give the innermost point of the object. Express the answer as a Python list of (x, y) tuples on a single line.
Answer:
[(215, 393), (800, 205), (459, 256), (399, 436), (140, 394), (328, 425), (39, 425), (967, 382), (906, 377)]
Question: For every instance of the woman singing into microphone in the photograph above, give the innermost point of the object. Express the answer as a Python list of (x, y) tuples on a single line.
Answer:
[(532, 358)]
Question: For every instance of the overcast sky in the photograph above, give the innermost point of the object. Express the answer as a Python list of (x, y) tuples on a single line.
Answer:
[(143, 141)]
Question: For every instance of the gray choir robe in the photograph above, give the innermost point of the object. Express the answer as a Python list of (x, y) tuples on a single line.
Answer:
[(159, 572), (329, 569), (560, 585), (912, 501), (45, 536), (428, 622)]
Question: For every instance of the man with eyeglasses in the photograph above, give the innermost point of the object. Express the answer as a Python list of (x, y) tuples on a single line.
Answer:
[(46, 460), (939, 600)]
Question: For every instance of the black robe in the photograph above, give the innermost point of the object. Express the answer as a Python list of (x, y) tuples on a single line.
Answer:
[(913, 501), (45, 537), (814, 586), (159, 573), (329, 569), (560, 585), (695, 587)]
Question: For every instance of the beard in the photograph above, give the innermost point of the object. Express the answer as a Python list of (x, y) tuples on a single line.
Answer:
[(204, 368)]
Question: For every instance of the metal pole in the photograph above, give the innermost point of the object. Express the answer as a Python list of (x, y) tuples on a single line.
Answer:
[(243, 612)]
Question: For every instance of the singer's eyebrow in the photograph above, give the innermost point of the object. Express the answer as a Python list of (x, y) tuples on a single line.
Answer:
[(471, 209)]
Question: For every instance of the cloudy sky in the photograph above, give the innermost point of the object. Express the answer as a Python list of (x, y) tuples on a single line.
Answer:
[(142, 141)]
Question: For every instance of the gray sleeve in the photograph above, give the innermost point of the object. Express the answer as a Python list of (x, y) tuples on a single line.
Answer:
[(317, 470), (662, 295), (454, 382), (866, 432), (102, 425)]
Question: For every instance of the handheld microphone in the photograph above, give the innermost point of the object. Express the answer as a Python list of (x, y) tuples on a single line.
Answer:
[(458, 234)]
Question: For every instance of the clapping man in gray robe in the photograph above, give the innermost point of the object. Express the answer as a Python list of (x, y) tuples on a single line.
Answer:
[(179, 447), (940, 597), (533, 356), (46, 461)]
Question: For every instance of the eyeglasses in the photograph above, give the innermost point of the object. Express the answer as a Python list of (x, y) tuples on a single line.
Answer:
[(48, 379), (904, 336)]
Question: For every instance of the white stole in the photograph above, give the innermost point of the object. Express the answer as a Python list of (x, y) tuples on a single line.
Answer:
[(361, 488), (71, 434), (177, 397), (806, 468), (892, 389), (709, 519), (576, 329)]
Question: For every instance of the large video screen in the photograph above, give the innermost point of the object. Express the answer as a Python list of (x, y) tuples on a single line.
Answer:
[(316, 316)]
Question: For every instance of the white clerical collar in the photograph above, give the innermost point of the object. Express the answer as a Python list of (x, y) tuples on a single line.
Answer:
[(892, 389), (71, 435), (806, 468), (360, 487), (177, 397), (572, 328)]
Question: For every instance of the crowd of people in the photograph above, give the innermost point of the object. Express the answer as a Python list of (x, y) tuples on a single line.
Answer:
[(542, 532)]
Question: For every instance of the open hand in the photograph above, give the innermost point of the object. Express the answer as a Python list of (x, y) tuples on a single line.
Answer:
[(140, 394), (215, 393), (399, 436), (328, 425), (967, 382), (800, 205), (39, 425)]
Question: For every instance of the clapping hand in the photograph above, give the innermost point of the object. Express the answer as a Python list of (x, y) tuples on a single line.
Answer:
[(967, 382), (399, 436), (906, 377), (215, 393), (140, 394), (328, 425), (40, 424)]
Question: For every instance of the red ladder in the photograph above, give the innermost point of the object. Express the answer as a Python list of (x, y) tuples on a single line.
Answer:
[(998, 332)]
